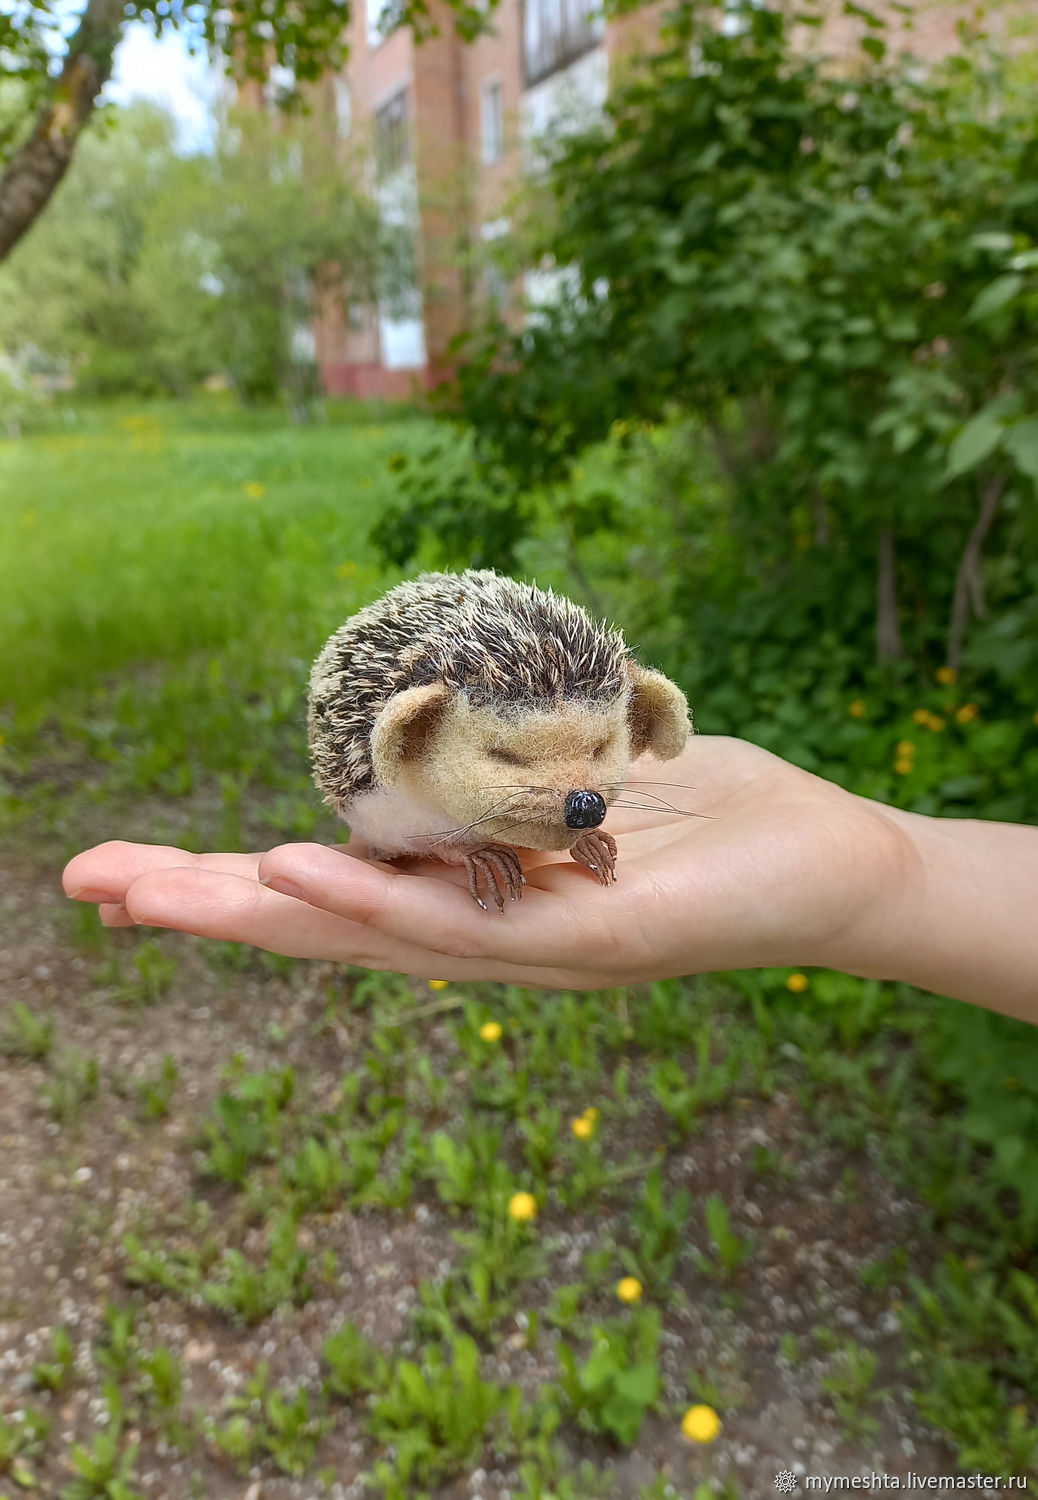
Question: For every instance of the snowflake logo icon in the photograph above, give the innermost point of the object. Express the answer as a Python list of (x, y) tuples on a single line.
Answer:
[(786, 1481)]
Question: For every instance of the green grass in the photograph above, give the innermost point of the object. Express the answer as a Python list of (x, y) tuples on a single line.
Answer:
[(146, 535)]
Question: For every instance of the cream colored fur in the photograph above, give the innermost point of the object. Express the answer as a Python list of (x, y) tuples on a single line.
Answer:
[(435, 760)]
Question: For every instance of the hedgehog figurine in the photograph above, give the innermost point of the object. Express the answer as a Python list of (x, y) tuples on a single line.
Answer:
[(462, 715)]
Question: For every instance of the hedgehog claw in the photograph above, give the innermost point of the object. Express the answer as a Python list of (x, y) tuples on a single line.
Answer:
[(497, 867), (597, 851)]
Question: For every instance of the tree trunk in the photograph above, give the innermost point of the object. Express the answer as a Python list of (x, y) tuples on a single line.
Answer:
[(969, 581), (36, 169), (888, 631)]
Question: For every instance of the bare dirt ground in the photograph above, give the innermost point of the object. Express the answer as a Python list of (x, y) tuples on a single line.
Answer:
[(71, 1188)]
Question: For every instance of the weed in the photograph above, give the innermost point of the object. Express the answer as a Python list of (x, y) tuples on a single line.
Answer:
[(355, 1366), (22, 1438), (684, 1094), (57, 1373), (155, 1095), (75, 1082), (851, 1385), (247, 1125), (730, 1251), (619, 1381), (155, 972), (658, 1228), (116, 1352), (26, 1035), (105, 1470), (437, 1414), (251, 1293)]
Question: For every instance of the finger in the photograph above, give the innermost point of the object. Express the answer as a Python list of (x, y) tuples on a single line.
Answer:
[(544, 929), (209, 904), (114, 914), (104, 873)]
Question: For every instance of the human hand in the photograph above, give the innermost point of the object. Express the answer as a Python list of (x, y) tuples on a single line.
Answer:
[(770, 866)]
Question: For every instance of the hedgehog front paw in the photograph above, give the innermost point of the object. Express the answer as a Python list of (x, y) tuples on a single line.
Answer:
[(597, 850), (498, 867)]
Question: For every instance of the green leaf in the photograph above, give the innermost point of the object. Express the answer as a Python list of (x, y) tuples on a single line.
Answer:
[(1021, 443), (979, 438), (995, 296), (640, 1384)]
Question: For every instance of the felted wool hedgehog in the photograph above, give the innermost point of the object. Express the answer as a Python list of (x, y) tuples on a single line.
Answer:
[(461, 715)]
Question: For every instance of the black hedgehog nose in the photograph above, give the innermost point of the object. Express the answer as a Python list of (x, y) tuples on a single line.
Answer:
[(584, 810)]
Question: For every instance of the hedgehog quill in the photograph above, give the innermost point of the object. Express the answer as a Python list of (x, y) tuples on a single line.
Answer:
[(463, 716)]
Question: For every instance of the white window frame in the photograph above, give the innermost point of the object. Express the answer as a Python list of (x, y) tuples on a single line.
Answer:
[(492, 119)]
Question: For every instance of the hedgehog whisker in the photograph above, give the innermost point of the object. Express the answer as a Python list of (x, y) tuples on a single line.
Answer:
[(677, 786), (496, 811), (664, 812), (664, 805)]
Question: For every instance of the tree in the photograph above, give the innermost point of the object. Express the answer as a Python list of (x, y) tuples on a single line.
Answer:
[(827, 266), (43, 113), (192, 266)]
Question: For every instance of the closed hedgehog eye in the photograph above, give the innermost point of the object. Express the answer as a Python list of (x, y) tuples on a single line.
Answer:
[(506, 757)]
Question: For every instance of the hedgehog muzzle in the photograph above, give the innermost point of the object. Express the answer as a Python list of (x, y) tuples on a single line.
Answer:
[(585, 810)]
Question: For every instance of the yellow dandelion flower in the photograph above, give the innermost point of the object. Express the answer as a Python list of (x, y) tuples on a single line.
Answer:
[(490, 1031), (522, 1207), (967, 712), (629, 1289), (904, 765), (583, 1128), (592, 1114), (797, 983), (857, 709), (906, 749), (437, 984), (1013, 1083), (935, 723), (922, 716), (255, 490), (346, 569), (946, 675), (700, 1424)]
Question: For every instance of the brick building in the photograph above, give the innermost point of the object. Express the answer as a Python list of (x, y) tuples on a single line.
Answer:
[(446, 126)]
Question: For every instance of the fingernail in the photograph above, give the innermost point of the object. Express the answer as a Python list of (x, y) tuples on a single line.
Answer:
[(116, 909), (283, 887), (87, 893)]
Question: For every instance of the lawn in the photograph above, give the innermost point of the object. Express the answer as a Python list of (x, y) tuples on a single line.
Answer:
[(273, 1228)]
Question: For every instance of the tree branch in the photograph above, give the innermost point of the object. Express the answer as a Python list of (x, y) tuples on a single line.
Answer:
[(888, 630), (969, 580), (36, 169)]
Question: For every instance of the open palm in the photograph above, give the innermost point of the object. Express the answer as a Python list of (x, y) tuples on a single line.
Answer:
[(763, 864)]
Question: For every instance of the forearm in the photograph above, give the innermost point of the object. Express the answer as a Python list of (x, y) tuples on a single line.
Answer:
[(965, 921)]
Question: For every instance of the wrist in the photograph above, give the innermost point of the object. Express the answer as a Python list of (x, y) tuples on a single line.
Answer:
[(953, 911), (886, 892)]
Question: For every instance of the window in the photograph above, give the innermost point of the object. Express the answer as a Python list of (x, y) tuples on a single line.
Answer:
[(343, 107), (393, 134), (556, 32), (493, 122)]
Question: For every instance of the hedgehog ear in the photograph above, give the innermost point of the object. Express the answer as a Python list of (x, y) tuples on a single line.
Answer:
[(658, 714), (404, 727)]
